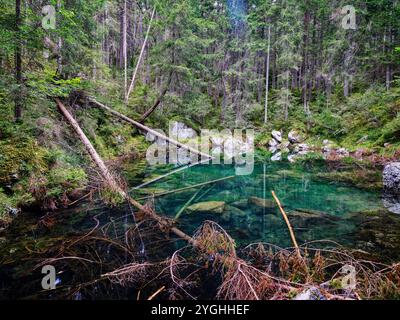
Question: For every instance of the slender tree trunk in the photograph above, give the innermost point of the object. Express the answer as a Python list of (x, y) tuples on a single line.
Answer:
[(18, 62), (140, 58), (124, 47), (60, 44), (267, 74)]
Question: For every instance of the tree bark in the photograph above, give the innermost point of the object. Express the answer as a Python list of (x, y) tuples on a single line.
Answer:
[(267, 75)]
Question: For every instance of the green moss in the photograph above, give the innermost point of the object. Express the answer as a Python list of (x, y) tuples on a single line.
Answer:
[(20, 156), (65, 180), (5, 204)]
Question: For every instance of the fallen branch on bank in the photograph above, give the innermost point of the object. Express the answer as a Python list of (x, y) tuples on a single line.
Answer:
[(147, 129)]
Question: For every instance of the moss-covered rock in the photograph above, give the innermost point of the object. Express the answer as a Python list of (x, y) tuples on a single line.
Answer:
[(207, 207)]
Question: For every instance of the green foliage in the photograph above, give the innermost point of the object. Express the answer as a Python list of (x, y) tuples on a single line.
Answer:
[(65, 180), (5, 205), (45, 84)]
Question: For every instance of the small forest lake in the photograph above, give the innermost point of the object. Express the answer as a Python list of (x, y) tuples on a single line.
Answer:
[(323, 214), (318, 209)]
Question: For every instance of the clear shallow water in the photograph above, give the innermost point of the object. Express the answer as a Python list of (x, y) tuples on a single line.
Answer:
[(317, 209)]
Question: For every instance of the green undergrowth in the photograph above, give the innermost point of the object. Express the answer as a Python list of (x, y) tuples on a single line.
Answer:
[(368, 120), (42, 163)]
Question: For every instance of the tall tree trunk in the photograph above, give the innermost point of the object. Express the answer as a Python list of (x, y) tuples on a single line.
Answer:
[(140, 58), (267, 74), (124, 47), (60, 43), (18, 62), (305, 60)]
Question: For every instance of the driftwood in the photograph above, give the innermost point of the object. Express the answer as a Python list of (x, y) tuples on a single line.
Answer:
[(285, 217), (110, 179), (147, 129)]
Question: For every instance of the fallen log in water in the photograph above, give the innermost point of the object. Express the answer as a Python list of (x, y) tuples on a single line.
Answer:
[(110, 179), (147, 129), (169, 174), (185, 188)]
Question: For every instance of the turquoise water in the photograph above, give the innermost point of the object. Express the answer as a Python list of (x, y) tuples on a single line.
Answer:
[(318, 210)]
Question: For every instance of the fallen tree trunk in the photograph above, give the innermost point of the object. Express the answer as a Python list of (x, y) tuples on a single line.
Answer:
[(153, 132), (186, 188), (110, 179), (168, 174)]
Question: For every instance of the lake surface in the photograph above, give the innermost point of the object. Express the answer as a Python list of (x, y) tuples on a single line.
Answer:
[(308, 201)]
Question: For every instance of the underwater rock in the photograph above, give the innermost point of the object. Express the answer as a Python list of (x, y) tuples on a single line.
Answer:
[(277, 135), (262, 203), (235, 211), (241, 204), (208, 207), (391, 178), (304, 217), (379, 229)]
